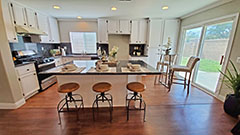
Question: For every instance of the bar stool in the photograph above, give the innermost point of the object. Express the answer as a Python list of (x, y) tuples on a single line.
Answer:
[(136, 88), (101, 88), (68, 88)]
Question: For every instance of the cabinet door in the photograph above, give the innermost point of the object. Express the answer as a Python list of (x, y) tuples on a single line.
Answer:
[(29, 83), (171, 29), (54, 30), (134, 32), (153, 56), (124, 26), (43, 25), (155, 33), (102, 31), (18, 14), (143, 31), (8, 21), (113, 27), (31, 18)]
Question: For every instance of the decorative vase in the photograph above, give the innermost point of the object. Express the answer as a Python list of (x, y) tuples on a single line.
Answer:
[(113, 58), (232, 105)]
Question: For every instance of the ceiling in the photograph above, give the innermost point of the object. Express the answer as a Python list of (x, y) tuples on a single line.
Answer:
[(102, 8)]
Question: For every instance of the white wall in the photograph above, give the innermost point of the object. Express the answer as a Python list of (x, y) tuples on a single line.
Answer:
[(66, 26)]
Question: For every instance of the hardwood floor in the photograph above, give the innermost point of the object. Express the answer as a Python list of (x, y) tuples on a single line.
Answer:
[(172, 113)]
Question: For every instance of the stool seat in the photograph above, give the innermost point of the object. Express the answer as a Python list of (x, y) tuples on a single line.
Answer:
[(136, 87), (102, 87), (68, 87)]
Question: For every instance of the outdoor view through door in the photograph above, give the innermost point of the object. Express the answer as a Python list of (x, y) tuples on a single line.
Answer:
[(209, 42)]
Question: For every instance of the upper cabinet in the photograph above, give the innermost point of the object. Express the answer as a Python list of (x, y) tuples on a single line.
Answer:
[(43, 25), (31, 18), (118, 26), (8, 21), (54, 31), (102, 31), (139, 32), (19, 14), (171, 29), (155, 37)]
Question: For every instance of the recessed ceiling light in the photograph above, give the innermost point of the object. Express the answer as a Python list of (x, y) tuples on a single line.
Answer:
[(56, 7), (165, 8), (79, 17), (114, 8)]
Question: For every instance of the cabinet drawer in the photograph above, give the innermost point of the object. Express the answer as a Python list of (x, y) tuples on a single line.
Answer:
[(25, 69)]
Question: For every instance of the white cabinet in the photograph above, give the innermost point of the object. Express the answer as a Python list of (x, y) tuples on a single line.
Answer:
[(118, 26), (138, 32), (19, 14), (102, 31), (113, 26), (54, 32), (31, 18), (8, 21), (171, 29), (155, 37), (28, 79), (124, 27), (43, 25)]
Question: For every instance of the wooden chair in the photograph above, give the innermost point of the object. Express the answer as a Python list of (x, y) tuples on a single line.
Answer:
[(187, 69), (165, 61)]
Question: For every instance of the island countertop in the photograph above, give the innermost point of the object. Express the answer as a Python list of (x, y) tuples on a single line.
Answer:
[(87, 67)]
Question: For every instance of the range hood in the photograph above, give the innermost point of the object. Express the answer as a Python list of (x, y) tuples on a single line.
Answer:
[(28, 31)]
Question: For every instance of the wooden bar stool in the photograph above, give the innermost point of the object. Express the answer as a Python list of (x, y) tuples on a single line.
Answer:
[(68, 88), (136, 88), (101, 88)]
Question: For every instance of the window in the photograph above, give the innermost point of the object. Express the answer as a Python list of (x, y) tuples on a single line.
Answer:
[(83, 42)]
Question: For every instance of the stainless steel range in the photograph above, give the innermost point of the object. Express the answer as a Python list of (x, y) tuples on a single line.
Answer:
[(41, 64)]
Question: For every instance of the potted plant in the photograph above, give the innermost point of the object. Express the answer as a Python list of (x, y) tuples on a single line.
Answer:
[(232, 101)]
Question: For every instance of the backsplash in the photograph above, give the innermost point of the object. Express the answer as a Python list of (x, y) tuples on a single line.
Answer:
[(40, 48)]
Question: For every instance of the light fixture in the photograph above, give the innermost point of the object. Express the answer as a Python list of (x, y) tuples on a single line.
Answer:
[(165, 8), (113, 8), (79, 17), (56, 7)]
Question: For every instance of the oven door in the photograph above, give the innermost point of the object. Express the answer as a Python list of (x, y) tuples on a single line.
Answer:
[(46, 81)]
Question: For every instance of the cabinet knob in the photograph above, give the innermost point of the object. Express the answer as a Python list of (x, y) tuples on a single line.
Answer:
[(117, 31), (27, 69), (14, 38), (25, 24), (30, 25)]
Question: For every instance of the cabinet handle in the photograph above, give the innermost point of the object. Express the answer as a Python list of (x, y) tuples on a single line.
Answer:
[(27, 69), (14, 38), (34, 73), (117, 31)]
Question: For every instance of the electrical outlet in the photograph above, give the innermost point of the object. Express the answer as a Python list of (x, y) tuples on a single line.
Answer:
[(42, 48), (238, 60)]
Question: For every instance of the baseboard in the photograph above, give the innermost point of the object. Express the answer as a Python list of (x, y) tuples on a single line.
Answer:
[(222, 98), (12, 105)]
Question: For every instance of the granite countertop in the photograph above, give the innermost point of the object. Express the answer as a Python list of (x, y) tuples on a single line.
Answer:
[(87, 67)]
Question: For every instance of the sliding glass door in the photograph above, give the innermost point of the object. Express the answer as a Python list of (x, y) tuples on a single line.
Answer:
[(190, 45), (212, 53), (210, 43)]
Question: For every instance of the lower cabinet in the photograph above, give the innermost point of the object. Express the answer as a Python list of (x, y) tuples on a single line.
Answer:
[(28, 81)]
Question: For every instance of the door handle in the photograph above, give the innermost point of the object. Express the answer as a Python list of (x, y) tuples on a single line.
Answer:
[(221, 61)]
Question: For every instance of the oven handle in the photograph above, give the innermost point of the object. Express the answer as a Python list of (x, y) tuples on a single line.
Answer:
[(46, 64)]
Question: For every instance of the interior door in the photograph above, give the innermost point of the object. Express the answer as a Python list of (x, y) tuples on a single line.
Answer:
[(212, 53)]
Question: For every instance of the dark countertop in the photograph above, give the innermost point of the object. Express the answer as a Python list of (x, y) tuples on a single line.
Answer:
[(23, 64), (90, 64), (79, 56)]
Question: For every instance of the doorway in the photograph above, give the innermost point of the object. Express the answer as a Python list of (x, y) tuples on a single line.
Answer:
[(211, 41)]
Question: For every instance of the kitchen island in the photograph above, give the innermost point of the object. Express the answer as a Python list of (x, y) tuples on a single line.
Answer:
[(86, 76)]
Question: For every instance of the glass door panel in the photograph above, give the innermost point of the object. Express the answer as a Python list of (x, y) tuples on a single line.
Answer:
[(212, 53), (190, 45)]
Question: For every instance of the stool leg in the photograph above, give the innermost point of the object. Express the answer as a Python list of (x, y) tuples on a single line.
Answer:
[(72, 99), (140, 106), (66, 98), (59, 117), (111, 106), (132, 98)]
